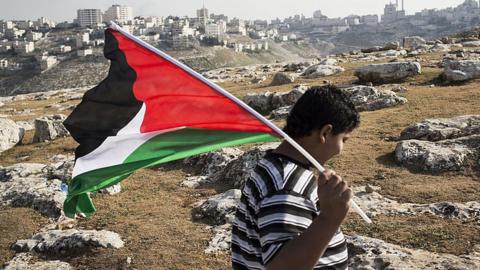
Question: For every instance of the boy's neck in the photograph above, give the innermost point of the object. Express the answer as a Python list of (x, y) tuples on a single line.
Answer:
[(288, 150)]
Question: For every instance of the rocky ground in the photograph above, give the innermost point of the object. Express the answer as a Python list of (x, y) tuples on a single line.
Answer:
[(414, 165)]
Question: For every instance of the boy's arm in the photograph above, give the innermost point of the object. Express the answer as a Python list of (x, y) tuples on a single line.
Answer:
[(304, 251)]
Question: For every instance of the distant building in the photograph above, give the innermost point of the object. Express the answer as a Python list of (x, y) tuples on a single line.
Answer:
[(180, 42), (3, 63), (25, 25), (44, 22), (4, 25), (33, 36), (89, 17), (219, 17), (369, 19), (82, 39), (64, 49), (84, 52), (48, 62), (216, 29), (237, 26), (202, 17), (118, 13), (23, 47), (392, 13), (14, 33)]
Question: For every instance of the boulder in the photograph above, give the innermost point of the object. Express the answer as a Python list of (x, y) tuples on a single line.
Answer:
[(295, 67), (474, 43), (111, 190), (370, 253), (222, 238), (266, 102), (55, 242), (288, 98), (413, 42), (435, 157), (461, 70), (10, 134), (388, 72), (317, 71), (437, 129), (328, 61), (25, 185), (219, 208), (238, 170), (209, 166), (262, 103), (368, 98), (26, 261), (393, 45), (281, 78), (49, 128), (372, 49)]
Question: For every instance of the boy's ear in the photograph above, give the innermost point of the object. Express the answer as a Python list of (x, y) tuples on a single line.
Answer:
[(324, 132)]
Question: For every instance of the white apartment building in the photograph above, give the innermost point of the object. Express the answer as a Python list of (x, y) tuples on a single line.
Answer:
[(118, 13), (89, 17), (3, 63), (48, 62), (369, 19), (82, 39), (23, 47), (34, 36), (216, 29)]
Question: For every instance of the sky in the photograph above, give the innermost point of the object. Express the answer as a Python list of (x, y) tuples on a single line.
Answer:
[(65, 10)]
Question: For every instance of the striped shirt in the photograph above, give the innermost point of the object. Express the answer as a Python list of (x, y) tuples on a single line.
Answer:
[(279, 201)]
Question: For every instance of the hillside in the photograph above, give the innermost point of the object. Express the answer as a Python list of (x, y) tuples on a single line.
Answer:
[(422, 219)]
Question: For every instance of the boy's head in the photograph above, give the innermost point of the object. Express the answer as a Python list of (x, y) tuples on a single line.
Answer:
[(325, 113)]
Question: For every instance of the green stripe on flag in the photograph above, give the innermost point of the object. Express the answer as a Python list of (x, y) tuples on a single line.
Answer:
[(162, 148)]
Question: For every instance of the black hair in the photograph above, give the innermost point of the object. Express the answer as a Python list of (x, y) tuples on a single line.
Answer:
[(320, 106)]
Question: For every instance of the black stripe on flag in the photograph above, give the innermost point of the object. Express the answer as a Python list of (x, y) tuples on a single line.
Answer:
[(109, 106)]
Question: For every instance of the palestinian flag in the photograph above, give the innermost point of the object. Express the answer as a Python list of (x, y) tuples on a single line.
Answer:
[(150, 109)]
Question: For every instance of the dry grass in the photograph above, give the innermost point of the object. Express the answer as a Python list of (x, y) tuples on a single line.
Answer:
[(153, 213)]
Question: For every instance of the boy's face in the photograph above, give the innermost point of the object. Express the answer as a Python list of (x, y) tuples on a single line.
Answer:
[(334, 144)]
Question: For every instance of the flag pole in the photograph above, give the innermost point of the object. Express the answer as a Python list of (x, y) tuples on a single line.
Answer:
[(197, 75)]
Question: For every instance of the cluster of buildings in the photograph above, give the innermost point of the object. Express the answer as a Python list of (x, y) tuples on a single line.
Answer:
[(208, 29)]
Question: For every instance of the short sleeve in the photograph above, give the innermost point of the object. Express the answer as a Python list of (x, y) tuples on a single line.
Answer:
[(282, 217)]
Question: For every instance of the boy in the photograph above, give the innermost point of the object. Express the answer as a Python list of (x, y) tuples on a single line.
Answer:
[(287, 217)]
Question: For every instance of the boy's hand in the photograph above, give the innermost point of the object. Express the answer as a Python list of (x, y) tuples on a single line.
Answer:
[(334, 197)]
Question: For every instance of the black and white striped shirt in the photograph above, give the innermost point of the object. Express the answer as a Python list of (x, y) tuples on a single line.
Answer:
[(279, 201)]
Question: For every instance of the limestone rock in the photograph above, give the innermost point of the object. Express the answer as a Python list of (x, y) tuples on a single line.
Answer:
[(371, 253), (10, 134), (388, 72), (238, 170), (68, 241), (368, 98), (26, 261), (461, 70), (111, 190), (221, 240), (220, 208), (25, 185), (446, 155), (61, 167), (393, 45), (473, 43), (210, 165), (49, 128), (281, 113), (281, 78), (413, 42), (288, 98), (437, 129), (266, 102), (262, 103), (317, 71)]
